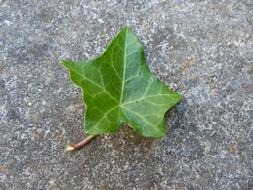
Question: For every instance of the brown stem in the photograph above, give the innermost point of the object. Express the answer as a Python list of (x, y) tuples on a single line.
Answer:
[(72, 147)]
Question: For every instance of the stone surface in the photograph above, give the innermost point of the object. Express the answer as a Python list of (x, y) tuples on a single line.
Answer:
[(201, 48)]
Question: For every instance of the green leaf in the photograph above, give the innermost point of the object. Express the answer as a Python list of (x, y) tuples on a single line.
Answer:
[(118, 88)]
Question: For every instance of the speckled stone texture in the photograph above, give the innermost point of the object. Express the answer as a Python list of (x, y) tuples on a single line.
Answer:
[(201, 48)]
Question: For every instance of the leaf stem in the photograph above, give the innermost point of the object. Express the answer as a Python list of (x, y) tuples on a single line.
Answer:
[(72, 147)]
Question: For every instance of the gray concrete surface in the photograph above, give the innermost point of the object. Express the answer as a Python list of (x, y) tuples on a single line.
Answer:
[(201, 48)]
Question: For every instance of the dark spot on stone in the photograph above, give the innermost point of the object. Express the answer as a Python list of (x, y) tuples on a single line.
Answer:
[(249, 70), (38, 50), (46, 15), (192, 127), (162, 35), (177, 43), (12, 115), (247, 88), (2, 84), (230, 90)]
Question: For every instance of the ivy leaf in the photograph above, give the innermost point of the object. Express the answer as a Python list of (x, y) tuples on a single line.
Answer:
[(118, 89)]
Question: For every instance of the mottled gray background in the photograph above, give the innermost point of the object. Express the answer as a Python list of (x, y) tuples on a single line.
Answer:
[(201, 48)]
